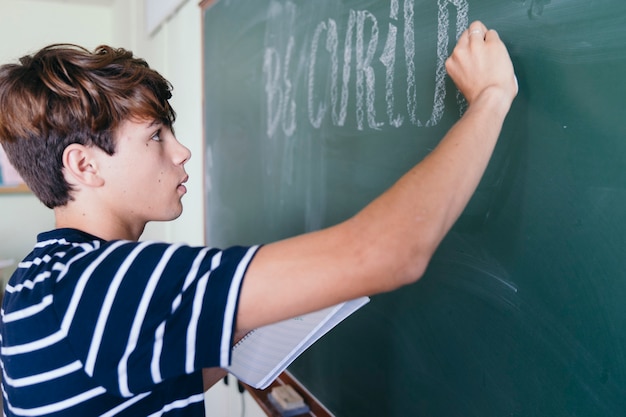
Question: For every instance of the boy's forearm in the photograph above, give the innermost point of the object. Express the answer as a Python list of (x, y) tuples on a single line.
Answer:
[(451, 173), (416, 213)]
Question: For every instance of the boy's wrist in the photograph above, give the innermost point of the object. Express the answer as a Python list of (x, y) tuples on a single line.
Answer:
[(495, 99)]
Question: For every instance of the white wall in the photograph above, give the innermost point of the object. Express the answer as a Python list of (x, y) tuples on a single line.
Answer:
[(175, 50), (26, 26)]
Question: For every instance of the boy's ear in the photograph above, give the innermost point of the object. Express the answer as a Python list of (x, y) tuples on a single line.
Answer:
[(80, 166)]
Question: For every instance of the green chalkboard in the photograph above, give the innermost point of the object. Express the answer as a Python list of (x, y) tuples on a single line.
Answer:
[(313, 108)]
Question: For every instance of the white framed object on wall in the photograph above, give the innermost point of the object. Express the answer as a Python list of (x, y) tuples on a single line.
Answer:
[(158, 11)]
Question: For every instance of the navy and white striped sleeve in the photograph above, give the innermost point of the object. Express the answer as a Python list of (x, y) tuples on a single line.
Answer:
[(139, 313)]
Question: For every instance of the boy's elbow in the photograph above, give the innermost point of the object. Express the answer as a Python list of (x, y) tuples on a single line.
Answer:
[(424, 239), (395, 255), (420, 248), (406, 265), (414, 267)]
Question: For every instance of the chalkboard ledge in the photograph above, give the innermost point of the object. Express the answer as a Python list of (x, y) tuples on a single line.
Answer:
[(260, 396)]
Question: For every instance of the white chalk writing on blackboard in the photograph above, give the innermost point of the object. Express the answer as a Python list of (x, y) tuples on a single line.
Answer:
[(361, 37)]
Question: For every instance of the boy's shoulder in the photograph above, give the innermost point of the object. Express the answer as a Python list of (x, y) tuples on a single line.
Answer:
[(49, 256), (66, 236)]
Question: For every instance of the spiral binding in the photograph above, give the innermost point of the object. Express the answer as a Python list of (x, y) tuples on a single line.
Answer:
[(243, 339)]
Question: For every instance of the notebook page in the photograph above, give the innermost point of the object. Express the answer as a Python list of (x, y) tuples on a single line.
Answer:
[(265, 352)]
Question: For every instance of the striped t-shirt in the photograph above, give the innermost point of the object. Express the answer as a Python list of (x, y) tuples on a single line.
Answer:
[(117, 328)]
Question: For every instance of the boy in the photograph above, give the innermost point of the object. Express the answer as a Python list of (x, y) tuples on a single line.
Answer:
[(96, 323)]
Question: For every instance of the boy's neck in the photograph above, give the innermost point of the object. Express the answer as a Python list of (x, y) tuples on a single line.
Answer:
[(95, 223)]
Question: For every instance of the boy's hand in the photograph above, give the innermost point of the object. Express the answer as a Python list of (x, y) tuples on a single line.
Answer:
[(480, 62)]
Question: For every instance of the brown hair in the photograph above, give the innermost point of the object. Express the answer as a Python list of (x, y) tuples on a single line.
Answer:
[(66, 94)]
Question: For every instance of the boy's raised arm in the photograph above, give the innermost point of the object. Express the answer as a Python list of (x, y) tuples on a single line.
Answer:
[(390, 242)]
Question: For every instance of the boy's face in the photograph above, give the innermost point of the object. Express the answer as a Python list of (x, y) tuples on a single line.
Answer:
[(144, 177)]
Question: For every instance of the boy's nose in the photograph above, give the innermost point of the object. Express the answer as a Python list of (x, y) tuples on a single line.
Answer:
[(183, 154)]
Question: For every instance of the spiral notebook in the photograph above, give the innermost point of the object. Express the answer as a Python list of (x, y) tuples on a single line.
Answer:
[(260, 356)]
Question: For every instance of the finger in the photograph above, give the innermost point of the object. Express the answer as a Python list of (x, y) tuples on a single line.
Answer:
[(476, 31), (476, 34), (477, 24), (492, 35)]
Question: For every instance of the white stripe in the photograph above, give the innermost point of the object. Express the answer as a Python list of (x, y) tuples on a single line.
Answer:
[(192, 329), (68, 264), (191, 276), (81, 284), (114, 411), (36, 261), (30, 284), (122, 366), (216, 261), (58, 266), (229, 314), (107, 304), (158, 348), (55, 407), (49, 242), (178, 404), (28, 311), (95, 244), (35, 345), (155, 364), (71, 310), (42, 377)]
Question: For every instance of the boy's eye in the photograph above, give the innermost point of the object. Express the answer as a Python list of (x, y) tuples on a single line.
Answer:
[(156, 136)]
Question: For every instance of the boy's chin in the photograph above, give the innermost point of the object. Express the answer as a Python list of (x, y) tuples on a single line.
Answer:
[(172, 215)]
